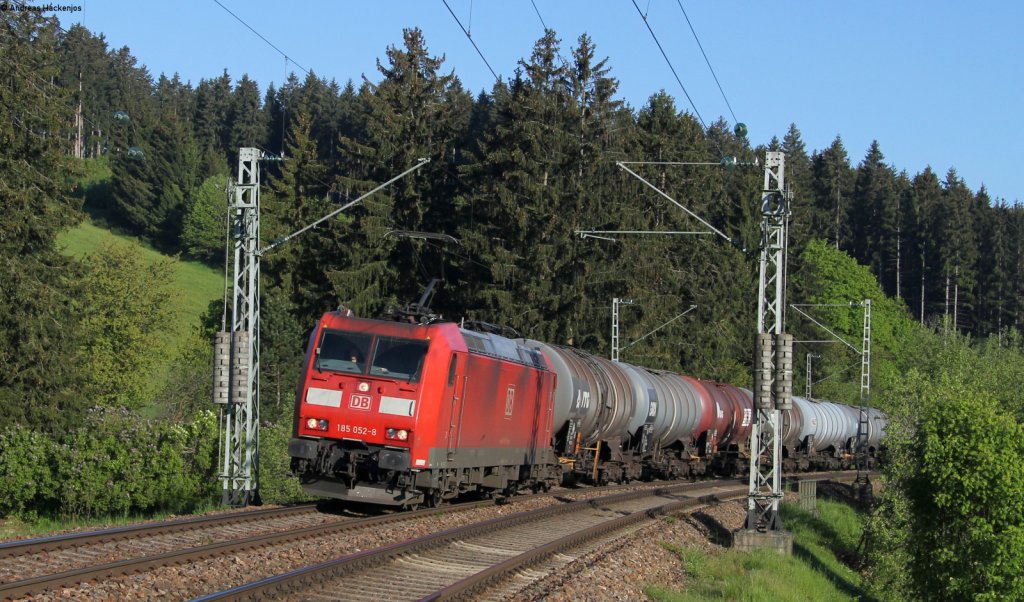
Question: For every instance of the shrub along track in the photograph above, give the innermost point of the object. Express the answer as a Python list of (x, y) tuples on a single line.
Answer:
[(462, 561), (50, 564)]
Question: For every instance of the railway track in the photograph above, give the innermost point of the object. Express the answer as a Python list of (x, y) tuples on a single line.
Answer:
[(458, 562), (463, 562), (27, 567), (34, 566)]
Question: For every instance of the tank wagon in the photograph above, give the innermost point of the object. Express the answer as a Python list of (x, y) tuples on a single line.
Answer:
[(402, 414)]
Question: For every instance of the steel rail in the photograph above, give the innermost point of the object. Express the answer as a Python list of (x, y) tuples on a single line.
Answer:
[(293, 581), (473, 584), (129, 566), (304, 577), (24, 547)]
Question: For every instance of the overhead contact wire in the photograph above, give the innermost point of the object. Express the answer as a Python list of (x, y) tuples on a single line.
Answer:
[(706, 60), (269, 43), (470, 38), (537, 10), (670, 66)]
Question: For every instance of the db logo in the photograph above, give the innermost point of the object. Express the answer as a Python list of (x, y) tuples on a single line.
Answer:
[(359, 402)]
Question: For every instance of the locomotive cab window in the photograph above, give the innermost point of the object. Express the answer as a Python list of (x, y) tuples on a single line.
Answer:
[(451, 370), (398, 358), (343, 352)]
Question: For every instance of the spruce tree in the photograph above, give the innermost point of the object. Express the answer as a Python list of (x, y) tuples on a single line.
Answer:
[(994, 265), (873, 217), (248, 127), (957, 249), (799, 179), (37, 321), (925, 288), (519, 229), (416, 111), (833, 181), (212, 123)]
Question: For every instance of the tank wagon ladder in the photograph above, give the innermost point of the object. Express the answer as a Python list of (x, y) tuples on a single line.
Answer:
[(862, 485)]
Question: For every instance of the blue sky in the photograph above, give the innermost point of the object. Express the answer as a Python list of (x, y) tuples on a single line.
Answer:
[(937, 83)]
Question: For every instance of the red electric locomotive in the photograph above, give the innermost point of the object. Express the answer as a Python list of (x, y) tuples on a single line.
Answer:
[(396, 413)]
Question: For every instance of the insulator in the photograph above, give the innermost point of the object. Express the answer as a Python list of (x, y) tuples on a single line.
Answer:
[(221, 367), (784, 371), (240, 367), (740, 130), (763, 371)]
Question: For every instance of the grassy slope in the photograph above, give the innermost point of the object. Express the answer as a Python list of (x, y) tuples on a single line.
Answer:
[(198, 284), (813, 572)]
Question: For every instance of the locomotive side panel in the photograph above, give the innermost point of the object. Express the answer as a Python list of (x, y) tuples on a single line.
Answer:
[(504, 416)]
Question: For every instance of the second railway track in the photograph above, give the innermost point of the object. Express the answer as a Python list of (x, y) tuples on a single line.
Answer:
[(190, 561), (60, 563), (459, 562)]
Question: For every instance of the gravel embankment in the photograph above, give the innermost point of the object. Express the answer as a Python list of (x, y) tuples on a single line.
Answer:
[(216, 574), (621, 570)]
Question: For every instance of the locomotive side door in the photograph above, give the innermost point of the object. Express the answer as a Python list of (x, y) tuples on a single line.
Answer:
[(455, 390)]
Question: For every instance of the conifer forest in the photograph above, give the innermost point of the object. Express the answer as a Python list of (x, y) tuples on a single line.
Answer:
[(88, 133)]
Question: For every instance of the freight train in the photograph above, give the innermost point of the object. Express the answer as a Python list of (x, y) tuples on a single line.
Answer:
[(403, 414)]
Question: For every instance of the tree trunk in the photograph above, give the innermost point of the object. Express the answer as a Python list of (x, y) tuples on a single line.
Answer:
[(922, 289), (898, 295), (945, 314), (956, 294)]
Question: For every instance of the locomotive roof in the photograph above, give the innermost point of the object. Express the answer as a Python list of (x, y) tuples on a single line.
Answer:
[(486, 343)]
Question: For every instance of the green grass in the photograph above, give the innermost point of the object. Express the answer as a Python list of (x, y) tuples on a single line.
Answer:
[(12, 527), (198, 283), (815, 571)]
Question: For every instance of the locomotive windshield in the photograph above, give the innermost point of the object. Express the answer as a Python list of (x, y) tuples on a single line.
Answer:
[(398, 358), (343, 352), (392, 357)]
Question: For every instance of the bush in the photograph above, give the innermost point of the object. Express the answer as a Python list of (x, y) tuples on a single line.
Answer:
[(26, 478), (118, 464), (277, 485)]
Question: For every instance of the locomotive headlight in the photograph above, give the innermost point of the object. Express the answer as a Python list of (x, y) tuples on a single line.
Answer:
[(313, 423), (364, 387), (396, 434)]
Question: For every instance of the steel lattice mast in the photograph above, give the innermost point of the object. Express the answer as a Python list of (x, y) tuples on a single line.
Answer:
[(237, 352), (773, 363)]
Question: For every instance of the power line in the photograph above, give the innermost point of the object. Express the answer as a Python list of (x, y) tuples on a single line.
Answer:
[(565, 64), (537, 10), (469, 37), (699, 45), (271, 44), (672, 68)]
